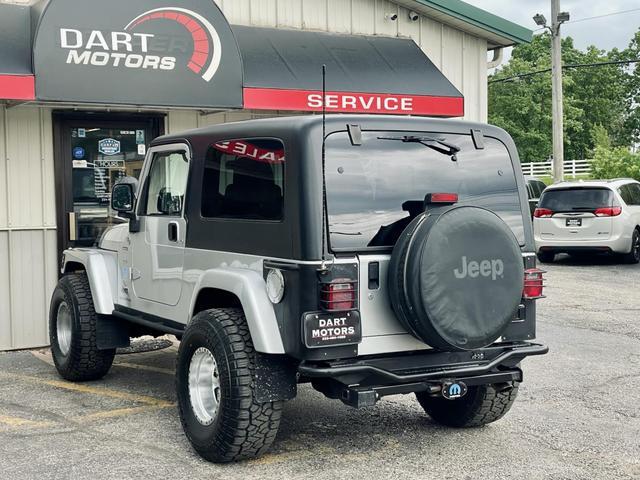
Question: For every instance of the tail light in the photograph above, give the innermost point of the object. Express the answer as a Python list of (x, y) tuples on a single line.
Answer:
[(608, 211), (542, 213), (441, 198), (339, 294), (533, 284)]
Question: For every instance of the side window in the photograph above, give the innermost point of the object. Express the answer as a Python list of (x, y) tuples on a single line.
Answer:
[(634, 189), (166, 184), (540, 188), (625, 193), (244, 179)]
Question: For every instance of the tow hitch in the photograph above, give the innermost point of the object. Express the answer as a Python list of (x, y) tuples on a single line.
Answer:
[(358, 396)]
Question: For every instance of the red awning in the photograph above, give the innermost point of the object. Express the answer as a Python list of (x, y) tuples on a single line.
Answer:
[(17, 87)]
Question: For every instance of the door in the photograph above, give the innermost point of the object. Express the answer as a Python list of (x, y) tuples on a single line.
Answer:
[(157, 250), (91, 153)]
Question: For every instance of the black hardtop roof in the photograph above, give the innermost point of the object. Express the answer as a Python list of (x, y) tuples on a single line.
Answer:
[(303, 123)]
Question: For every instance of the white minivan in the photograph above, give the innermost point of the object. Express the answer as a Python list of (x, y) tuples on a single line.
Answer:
[(589, 216)]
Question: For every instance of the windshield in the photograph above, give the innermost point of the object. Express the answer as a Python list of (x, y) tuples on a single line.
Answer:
[(375, 189), (576, 199)]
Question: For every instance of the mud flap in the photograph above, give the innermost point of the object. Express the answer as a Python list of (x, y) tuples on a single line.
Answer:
[(111, 333), (275, 378)]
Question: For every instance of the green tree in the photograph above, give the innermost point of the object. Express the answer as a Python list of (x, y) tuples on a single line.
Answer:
[(596, 96)]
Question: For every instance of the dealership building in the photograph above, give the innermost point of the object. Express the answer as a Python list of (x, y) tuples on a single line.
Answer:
[(85, 85)]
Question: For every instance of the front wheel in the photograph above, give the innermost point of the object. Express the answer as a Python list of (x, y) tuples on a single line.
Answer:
[(215, 386), (634, 255), (73, 331), (481, 405)]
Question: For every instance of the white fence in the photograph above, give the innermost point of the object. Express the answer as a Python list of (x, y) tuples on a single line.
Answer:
[(544, 169)]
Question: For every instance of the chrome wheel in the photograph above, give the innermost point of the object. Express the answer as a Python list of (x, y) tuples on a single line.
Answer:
[(64, 327), (635, 247), (204, 386)]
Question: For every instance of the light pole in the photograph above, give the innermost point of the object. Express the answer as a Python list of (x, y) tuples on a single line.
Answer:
[(557, 19)]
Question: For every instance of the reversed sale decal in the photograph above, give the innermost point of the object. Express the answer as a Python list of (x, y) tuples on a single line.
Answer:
[(241, 148)]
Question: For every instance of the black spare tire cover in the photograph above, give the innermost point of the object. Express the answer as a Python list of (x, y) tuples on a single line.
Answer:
[(456, 277)]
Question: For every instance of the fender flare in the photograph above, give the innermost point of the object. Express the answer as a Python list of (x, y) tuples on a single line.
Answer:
[(102, 272), (249, 287)]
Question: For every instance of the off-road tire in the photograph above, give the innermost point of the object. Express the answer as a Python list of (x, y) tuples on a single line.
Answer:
[(243, 427), (634, 255), (546, 257), (481, 405), (84, 361)]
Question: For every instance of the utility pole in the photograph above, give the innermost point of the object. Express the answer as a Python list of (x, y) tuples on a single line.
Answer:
[(556, 94), (557, 19)]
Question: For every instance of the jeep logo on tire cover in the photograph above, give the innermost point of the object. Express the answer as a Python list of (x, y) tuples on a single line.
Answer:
[(493, 268)]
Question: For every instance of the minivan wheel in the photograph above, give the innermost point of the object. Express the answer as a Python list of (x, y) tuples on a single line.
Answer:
[(481, 405), (216, 392), (73, 331), (634, 255), (546, 257)]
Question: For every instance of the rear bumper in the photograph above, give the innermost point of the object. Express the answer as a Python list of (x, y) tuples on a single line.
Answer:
[(362, 381), (617, 244)]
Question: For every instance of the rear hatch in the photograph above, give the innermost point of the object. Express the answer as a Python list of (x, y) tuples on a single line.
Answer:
[(376, 188), (576, 213)]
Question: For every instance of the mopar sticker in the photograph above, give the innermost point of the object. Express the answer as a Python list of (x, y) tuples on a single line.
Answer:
[(109, 146), (453, 390), (326, 329)]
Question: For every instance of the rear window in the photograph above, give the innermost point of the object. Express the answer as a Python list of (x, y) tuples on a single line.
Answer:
[(375, 189), (576, 199)]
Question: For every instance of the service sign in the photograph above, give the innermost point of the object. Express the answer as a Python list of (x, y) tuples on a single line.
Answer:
[(142, 52)]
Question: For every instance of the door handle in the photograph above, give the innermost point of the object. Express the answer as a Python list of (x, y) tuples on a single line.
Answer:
[(174, 232)]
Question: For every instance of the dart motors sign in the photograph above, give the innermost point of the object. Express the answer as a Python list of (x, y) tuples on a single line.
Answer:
[(138, 52)]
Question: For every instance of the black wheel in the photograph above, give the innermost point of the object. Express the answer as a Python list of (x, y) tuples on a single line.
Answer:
[(634, 255), (72, 331), (546, 257), (481, 405), (215, 388)]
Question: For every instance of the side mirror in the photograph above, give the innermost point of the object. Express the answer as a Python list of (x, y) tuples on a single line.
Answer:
[(122, 197)]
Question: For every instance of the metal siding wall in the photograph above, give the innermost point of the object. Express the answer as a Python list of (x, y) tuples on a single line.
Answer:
[(27, 226)]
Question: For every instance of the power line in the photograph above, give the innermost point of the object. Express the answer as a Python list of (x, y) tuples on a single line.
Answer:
[(575, 65), (604, 15)]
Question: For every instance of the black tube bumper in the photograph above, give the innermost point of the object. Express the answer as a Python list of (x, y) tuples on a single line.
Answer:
[(362, 381)]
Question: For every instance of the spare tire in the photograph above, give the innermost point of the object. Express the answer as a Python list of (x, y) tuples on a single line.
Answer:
[(456, 277)]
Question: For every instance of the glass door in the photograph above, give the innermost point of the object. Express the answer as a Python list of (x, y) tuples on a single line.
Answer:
[(91, 156)]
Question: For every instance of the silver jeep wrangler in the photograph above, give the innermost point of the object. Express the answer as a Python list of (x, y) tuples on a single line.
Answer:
[(367, 256)]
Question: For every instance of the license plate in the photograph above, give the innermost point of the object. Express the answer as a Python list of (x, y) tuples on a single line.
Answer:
[(330, 329), (574, 222)]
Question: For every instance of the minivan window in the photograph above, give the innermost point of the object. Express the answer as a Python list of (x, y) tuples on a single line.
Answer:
[(576, 199), (375, 189), (244, 179)]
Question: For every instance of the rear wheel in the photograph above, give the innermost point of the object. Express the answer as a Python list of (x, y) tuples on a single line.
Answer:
[(481, 405), (634, 255), (73, 331), (216, 368), (546, 257)]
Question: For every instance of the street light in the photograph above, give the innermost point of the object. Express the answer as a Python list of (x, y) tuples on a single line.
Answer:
[(563, 17), (540, 20)]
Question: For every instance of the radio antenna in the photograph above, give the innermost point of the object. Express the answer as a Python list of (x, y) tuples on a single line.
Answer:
[(325, 215)]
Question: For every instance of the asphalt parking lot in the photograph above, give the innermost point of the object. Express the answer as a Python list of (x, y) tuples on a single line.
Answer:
[(577, 416)]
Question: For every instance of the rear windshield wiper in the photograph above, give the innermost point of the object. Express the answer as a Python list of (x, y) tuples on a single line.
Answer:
[(436, 144)]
